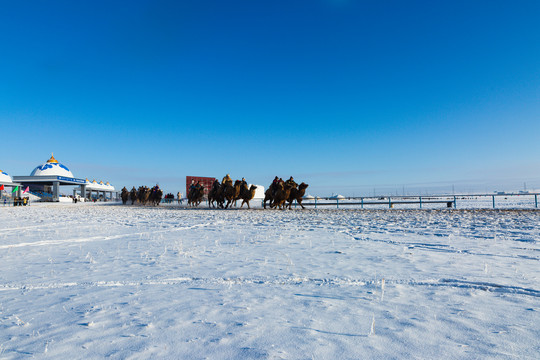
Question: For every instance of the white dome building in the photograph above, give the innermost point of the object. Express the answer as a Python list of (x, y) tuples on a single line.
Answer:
[(52, 168), (5, 178), (46, 180)]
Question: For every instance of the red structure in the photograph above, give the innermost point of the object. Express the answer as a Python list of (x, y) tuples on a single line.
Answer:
[(205, 181)]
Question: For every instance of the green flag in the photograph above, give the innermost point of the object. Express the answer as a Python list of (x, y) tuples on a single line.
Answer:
[(16, 188)]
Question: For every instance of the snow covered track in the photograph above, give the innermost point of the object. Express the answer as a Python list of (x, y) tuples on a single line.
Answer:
[(73, 241), (134, 282)]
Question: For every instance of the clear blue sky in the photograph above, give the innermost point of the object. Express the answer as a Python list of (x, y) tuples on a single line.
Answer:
[(350, 96)]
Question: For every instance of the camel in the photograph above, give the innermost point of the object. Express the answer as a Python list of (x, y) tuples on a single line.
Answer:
[(215, 195), (124, 195), (195, 195), (282, 194), (231, 193), (270, 193), (143, 194), (298, 195), (268, 197), (247, 194), (156, 196), (133, 195)]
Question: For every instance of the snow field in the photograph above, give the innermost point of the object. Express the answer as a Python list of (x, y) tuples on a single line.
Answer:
[(82, 281)]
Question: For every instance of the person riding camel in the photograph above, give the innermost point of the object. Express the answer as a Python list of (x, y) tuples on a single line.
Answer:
[(292, 182), (274, 186), (227, 180), (192, 186)]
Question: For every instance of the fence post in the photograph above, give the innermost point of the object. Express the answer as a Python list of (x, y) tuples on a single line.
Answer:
[(536, 201), (295, 203), (455, 203), (315, 202), (493, 197), (420, 202), (337, 203), (389, 202), (362, 202)]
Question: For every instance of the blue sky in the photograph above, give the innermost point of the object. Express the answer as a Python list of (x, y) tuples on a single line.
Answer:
[(353, 97)]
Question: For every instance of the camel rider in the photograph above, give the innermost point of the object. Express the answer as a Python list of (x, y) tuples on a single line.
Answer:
[(244, 183), (292, 182), (227, 180), (192, 186), (274, 186)]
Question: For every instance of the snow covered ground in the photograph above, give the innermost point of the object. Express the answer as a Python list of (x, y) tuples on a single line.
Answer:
[(93, 281)]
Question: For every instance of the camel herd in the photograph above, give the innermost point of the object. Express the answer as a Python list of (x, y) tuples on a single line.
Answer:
[(283, 194), (143, 195), (225, 194), (280, 194)]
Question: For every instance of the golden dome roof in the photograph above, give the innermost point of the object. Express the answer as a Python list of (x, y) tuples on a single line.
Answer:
[(52, 159)]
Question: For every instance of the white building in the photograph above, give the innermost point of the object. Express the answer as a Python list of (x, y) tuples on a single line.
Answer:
[(45, 181)]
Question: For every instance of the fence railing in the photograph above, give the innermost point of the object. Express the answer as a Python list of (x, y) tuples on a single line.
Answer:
[(451, 201)]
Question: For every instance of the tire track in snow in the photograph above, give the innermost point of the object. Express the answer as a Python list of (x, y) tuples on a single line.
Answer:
[(197, 283), (478, 285), (100, 237), (55, 225)]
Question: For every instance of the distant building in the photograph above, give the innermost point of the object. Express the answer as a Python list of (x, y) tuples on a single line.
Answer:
[(205, 181), (46, 179)]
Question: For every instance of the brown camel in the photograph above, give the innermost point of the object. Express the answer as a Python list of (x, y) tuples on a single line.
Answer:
[(282, 194), (124, 195), (133, 195), (298, 195), (155, 196), (215, 195), (268, 197), (195, 196), (232, 193), (247, 194), (143, 194)]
